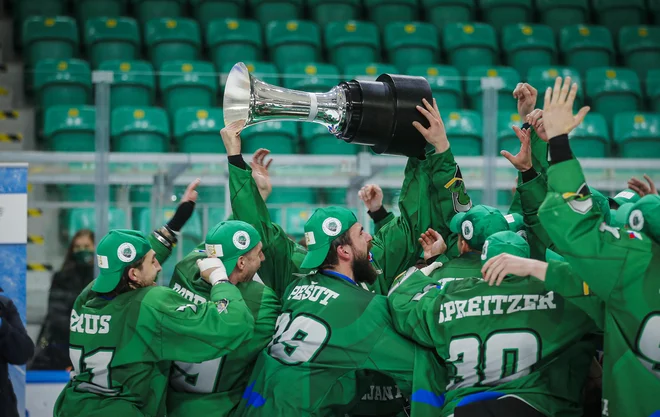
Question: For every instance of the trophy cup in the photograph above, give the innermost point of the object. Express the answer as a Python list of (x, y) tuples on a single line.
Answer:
[(378, 114)]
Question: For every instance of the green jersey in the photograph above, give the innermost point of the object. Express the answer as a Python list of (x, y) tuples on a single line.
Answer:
[(516, 339), (332, 332), (622, 268), (214, 387)]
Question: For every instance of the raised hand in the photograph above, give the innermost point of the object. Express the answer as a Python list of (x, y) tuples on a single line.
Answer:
[(497, 268), (191, 192), (231, 137), (523, 159), (260, 172), (558, 117), (641, 188), (535, 118), (526, 96), (436, 134), (372, 196), (432, 243), (212, 270)]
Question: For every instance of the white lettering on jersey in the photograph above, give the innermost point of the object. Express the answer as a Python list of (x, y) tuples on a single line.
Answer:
[(504, 304), (382, 393), (189, 295), (193, 307), (89, 323), (606, 411), (313, 293)]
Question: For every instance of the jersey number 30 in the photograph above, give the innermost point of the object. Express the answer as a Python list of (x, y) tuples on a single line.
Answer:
[(299, 340)]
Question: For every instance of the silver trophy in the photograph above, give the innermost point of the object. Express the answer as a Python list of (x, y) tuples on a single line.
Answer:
[(378, 114)]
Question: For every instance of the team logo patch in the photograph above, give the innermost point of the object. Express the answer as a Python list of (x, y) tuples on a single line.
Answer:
[(331, 226), (459, 196), (636, 220), (102, 261), (580, 201), (309, 238), (214, 251), (241, 240), (222, 305), (467, 230), (126, 252)]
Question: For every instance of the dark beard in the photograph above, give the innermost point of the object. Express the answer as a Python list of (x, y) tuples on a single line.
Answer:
[(363, 270)]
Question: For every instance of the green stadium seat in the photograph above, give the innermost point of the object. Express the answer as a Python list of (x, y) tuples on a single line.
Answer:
[(464, 129), (146, 10), (172, 39), (613, 90), (527, 46), (291, 42), (318, 141), (196, 130), (66, 82), (500, 13), (90, 9), (231, 41), (382, 12), (543, 77), (85, 218), (206, 11), (585, 47), (30, 8), (637, 134), (265, 71), (352, 43), (445, 84), (506, 137), (325, 12), (292, 195), (470, 44), (368, 72), (49, 38), (133, 83), (591, 138), (112, 38), (78, 193), (278, 137), (411, 44), (560, 13), (443, 12), (510, 78), (295, 219), (335, 196), (140, 193), (615, 14), (70, 129), (640, 48), (266, 11), (140, 129), (312, 77), (186, 84), (653, 89)]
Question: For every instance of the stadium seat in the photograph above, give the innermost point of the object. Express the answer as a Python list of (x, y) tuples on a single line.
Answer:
[(443, 12), (295, 219), (265, 11), (146, 10), (411, 44), (615, 14), (543, 77), (640, 48), (585, 47), (112, 38), (206, 11), (265, 71), (560, 13), (334, 196), (352, 43), (172, 39), (196, 130), (527, 46), (382, 12), (186, 84), (325, 12), (278, 137), (468, 45), (133, 83), (318, 141), (464, 130), (292, 42), (49, 38), (653, 89), (367, 72), (445, 84), (591, 138), (25, 9), (505, 100), (85, 218), (90, 9), (140, 129), (231, 41), (613, 90), (70, 129), (500, 13), (292, 195), (312, 77), (66, 82), (637, 134), (506, 137)]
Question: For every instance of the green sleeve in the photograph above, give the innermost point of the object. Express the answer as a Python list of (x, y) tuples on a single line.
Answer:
[(561, 279), (532, 194), (283, 255), (599, 253), (197, 332), (162, 251), (382, 222)]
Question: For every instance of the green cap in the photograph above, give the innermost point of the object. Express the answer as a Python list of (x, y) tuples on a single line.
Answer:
[(325, 225), (620, 215), (117, 250), (504, 242), (645, 216), (230, 240), (602, 202), (476, 224), (625, 196)]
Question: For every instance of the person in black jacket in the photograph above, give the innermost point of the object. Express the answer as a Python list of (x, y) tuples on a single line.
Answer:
[(77, 271), (16, 348)]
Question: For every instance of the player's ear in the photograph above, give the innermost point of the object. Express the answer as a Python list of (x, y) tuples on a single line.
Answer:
[(240, 263), (344, 252)]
